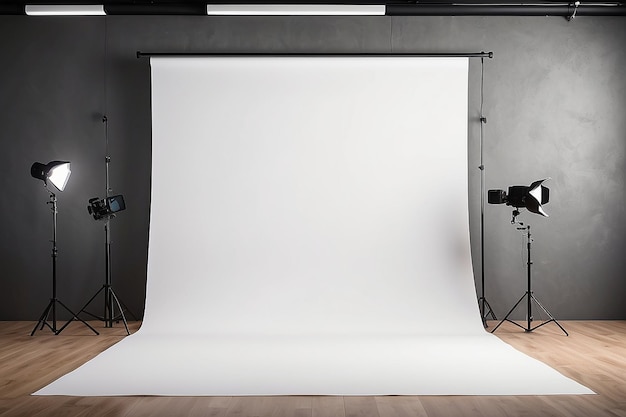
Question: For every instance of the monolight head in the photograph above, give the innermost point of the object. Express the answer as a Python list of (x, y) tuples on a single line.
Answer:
[(57, 172), (531, 197), (105, 208)]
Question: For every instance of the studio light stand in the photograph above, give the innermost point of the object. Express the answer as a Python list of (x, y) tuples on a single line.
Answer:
[(105, 209), (528, 295), (45, 172), (109, 315)]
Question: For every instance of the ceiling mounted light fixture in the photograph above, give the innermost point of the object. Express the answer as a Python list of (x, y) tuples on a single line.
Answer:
[(65, 10), (296, 9)]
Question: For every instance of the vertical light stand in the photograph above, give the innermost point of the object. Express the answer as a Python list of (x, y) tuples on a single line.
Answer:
[(109, 293), (485, 308), (51, 307), (110, 298), (528, 295)]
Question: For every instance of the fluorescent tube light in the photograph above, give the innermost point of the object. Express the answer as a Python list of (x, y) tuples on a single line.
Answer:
[(296, 9), (65, 10)]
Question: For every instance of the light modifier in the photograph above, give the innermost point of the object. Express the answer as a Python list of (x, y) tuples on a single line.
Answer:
[(531, 197), (57, 172)]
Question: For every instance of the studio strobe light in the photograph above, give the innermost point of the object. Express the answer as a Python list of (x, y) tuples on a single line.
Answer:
[(105, 208), (57, 173), (531, 197)]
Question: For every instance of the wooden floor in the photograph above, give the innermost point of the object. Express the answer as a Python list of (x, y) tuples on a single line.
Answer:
[(594, 354)]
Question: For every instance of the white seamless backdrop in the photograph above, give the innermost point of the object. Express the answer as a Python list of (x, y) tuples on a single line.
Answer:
[(309, 235), (310, 195)]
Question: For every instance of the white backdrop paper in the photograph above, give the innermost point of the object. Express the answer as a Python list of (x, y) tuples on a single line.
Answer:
[(309, 235), (295, 195)]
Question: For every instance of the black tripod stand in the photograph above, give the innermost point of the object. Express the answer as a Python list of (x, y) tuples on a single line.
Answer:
[(110, 298), (528, 295), (109, 315), (51, 309)]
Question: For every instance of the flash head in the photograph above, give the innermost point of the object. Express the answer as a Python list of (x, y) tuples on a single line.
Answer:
[(531, 197), (105, 208)]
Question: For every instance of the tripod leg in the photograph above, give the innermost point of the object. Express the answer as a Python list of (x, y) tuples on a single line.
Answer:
[(532, 296), (117, 301), (43, 318), (129, 311), (74, 317), (493, 315), (481, 309), (509, 313), (83, 310), (44, 323), (121, 303), (485, 311), (108, 307), (123, 306)]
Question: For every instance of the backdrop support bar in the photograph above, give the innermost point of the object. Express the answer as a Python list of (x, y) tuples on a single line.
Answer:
[(261, 54)]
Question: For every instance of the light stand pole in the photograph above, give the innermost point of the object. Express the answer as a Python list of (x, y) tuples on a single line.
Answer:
[(109, 294), (110, 298), (528, 295), (51, 307)]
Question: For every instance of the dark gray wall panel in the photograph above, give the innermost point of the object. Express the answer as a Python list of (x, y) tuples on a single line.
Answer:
[(555, 106), (52, 93), (554, 99)]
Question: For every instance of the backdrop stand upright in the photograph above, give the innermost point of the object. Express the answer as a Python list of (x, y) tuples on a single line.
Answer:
[(485, 308)]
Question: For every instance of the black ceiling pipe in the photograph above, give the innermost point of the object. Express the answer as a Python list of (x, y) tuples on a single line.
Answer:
[(156, 9), (503, 10), (11, 8), (393, 8)]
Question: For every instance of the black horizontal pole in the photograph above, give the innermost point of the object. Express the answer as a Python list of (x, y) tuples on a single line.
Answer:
[(198, 9), (434, 8), (12, 9), (563, 10), (393, 8), (262, 54)]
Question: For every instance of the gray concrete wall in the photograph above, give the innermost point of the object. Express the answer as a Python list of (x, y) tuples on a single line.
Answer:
[(554, 98)]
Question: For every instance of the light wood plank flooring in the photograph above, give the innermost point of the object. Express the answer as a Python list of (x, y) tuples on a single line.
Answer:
[(594, 354)]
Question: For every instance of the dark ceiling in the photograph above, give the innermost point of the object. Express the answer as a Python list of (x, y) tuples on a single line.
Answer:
[(394, 7)]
